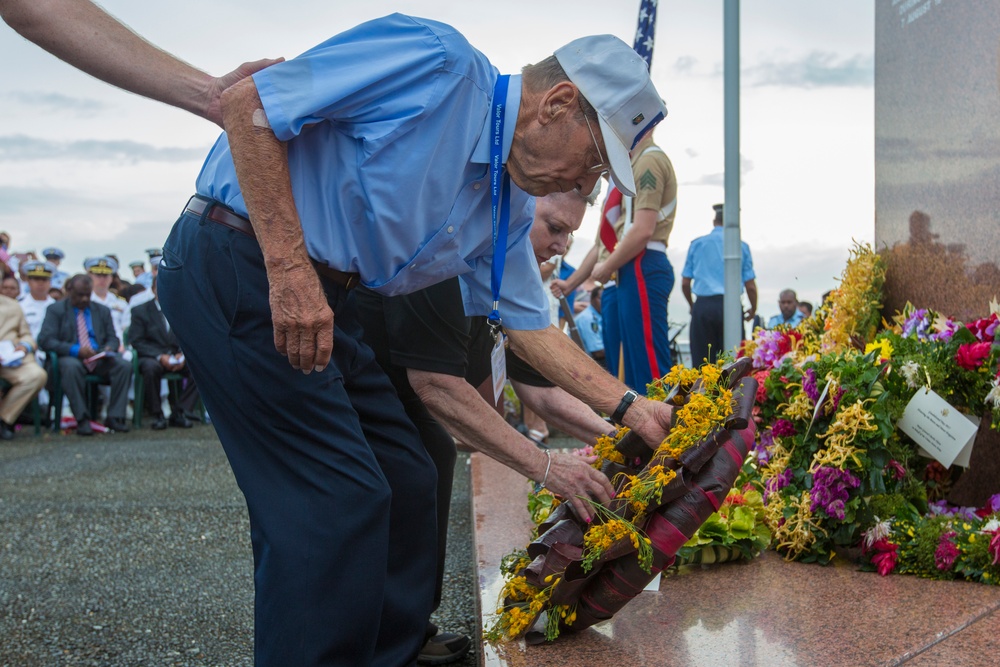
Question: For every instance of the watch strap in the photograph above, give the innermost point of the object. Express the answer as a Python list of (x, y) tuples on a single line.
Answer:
[(627, 399)]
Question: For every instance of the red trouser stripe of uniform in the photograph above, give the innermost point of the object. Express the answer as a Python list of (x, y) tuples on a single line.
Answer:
[(647, 322)]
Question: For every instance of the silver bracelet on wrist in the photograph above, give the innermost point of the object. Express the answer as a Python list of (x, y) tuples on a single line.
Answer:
[(548, 465)]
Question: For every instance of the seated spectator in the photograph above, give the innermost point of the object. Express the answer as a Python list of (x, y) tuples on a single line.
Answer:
[(790, 314), (19, 366), (806, 308), (82, 335), (37, 300), (159, 353), (101, 271), (588, 324), (56, 294), (10, 288), (5, 255), (55, 255)]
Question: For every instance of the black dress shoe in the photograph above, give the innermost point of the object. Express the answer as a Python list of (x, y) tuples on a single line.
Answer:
[(160, 424), (83, 428), (117, 424), (180, 421), (6, 431)]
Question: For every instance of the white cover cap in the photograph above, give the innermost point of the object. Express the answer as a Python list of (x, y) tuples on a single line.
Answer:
[(615, 80)]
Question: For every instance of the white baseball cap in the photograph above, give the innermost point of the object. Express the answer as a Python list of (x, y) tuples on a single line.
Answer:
[(615, 80)]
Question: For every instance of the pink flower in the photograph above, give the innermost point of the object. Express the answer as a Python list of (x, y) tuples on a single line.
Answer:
[(896, 469), (972, 355), (885, 557), (761, 377), (783, 428), (946, 553), (995, 546), (984, 329)]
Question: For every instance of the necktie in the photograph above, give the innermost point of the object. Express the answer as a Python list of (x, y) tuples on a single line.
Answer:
[(84, 337), (81, 330)]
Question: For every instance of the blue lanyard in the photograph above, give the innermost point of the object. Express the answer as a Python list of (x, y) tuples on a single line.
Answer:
[(501, 225)]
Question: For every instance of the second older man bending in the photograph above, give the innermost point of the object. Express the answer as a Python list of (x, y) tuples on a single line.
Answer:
[(368, 159)]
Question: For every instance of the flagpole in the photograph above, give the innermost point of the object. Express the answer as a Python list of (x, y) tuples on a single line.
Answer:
[(732, 331)]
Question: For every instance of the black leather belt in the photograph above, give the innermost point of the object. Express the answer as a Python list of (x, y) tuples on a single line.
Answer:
[(218, 213)]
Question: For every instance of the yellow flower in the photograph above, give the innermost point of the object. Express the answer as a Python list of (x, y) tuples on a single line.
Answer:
[(849, 422), (884, 346)]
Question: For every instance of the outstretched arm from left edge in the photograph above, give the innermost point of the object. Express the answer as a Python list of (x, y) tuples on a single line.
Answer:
[(556, 357), (85, 36)]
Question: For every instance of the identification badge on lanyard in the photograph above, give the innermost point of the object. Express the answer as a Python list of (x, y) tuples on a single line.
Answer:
[(498, 360)]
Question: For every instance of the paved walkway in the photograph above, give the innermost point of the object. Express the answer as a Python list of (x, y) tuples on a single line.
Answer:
[(133, 549)]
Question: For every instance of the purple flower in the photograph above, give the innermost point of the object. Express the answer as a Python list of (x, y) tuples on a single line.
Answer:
[(763, 448), (946, 333), (772, 346), (917, 324), (994, 502), (944, 508), (835, 398), (809, 385), (777, 483), (831, 490), (783, 428)]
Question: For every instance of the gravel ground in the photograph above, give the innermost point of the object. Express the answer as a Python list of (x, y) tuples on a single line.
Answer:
[(133, 549)]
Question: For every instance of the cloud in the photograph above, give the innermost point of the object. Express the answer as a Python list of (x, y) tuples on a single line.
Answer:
[(25, 200), (685, 65), (718, 178), (19, 147), (41, 103), (818, 69)]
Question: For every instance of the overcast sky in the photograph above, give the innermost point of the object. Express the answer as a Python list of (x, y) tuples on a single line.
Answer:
[(92, 169)]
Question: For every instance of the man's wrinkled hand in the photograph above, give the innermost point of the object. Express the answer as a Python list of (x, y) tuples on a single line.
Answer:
[(573, 478), (650, 420), (303, 321), (214, 109)]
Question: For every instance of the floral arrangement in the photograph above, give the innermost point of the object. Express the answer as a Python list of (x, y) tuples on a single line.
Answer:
[(661, 498), (737, 531), (950, 543), (829, 458)]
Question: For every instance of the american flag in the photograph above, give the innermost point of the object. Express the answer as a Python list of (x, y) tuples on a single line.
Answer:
[(646, 31)]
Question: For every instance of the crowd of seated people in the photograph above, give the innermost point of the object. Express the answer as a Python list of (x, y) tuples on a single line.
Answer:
[(78, 328)]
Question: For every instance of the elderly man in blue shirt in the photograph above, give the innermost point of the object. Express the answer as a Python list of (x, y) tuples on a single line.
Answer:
[(704, 277), (385, 156)]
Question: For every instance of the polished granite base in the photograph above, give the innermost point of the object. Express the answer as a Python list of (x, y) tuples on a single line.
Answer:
[(765, 612)]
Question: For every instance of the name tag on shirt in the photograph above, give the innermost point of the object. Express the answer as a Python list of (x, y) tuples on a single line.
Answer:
[(498, 360)]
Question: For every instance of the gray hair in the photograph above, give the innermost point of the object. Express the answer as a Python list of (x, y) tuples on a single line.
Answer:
[(546, 73)]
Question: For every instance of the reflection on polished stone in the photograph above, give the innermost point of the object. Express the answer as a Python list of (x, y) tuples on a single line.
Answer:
[(937, 142), (763, 613), (940, 276)]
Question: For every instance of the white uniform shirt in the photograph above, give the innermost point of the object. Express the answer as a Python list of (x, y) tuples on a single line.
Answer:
[(34, 312), (117, 306)]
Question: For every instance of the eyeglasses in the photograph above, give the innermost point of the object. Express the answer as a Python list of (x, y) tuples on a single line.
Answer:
[(602, 166)]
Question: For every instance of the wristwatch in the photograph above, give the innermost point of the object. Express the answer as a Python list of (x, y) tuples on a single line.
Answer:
[(623, 406)]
